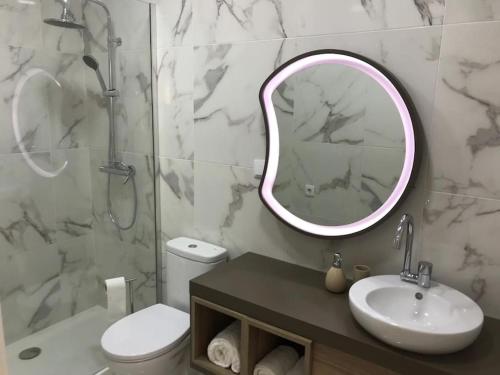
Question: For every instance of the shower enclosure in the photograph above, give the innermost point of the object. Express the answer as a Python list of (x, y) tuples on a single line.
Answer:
[(77, 187)]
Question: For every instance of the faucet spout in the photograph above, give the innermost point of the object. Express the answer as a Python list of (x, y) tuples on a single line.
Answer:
[(423, 277), (406, 226)]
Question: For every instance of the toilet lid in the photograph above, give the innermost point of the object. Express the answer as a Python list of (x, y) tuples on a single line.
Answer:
[(145, 334)]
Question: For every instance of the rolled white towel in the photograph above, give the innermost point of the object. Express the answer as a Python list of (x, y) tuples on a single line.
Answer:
[(224, 349), (298, 369), (278, 362)]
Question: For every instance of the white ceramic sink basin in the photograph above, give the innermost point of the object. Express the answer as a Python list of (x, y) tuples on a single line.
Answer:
[(439, 320)]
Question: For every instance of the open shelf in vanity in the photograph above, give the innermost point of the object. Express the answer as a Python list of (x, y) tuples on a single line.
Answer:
[(257, 338)]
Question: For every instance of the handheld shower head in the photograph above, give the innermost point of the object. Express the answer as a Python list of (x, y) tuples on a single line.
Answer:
[(93, 64), (67, 20)]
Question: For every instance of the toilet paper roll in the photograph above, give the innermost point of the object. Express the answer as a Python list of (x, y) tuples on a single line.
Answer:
[(116, 290)]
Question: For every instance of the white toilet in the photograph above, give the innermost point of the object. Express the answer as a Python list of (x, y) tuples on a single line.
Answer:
[(152, 341)]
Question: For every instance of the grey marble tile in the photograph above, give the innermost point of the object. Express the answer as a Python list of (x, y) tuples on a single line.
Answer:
[(175, 102), (134, 129), (58, 38), (375, 247), (34, 108), (49, 116), (14, 13), (66, 105), (240, 20), (228, 77), (243, 20), (142, 234), (72, 194), (57, 282), (133, 124), (116, 259), (458, 240), (472, 11), (412, 55), (327, 17), (466, 118), (228, 212), (27, 218), (229, 126), (335, 173), (177, 198), (131, 22), (133, 74), (174, 23)]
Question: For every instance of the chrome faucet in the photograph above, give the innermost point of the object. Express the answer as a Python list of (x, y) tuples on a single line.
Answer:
[(424, 275)]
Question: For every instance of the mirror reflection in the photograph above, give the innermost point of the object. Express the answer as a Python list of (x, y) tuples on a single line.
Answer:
[(342, 144)]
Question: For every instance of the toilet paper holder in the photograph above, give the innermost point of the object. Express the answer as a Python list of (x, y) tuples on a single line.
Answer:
[(130, 290)]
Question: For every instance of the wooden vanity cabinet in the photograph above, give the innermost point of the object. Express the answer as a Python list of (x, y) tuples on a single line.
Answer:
[(329, 361), (259, 338)]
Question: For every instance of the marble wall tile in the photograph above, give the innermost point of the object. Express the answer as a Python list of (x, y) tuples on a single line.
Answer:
[(459, 239), (58, 38), (174, 23), (466, 116), (27, 218), (66, 105), (327, 17), (244, 20), (241, 20), (236, 113), (472, 11), (133, 74), (133, 107), (72, 194), (34, 113), (336, 197), (142, 234), (175, 102), (177, 198), (375, 247), (58, 281), (116, 259), (131, 22), (412, 55), (14, 13), (50, 116), (228, 212), (133, 129), (226, 87)]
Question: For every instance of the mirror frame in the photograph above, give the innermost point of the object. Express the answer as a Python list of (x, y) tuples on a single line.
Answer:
[(411, 125)]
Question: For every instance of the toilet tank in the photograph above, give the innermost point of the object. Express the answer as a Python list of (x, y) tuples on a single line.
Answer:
[(183, 260)]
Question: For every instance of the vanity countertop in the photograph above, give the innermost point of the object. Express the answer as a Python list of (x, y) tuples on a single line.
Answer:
[(293, 298)]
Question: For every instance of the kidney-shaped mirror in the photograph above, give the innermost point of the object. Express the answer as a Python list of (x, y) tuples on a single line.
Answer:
[(342, 143)]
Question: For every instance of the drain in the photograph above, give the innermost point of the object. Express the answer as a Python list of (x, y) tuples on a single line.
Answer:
[(192, 246), (419, 296), (30, 353)]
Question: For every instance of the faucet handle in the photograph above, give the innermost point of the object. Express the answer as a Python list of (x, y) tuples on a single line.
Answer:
[(424, 274)]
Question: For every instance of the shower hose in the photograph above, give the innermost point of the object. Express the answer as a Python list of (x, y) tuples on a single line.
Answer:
[(114, 219)]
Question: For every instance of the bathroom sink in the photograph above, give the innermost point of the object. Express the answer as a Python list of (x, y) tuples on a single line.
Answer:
[(436, 320)]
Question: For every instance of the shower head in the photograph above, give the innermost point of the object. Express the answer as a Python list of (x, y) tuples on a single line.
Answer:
[(60, 22), (67, 20), (92, 63)]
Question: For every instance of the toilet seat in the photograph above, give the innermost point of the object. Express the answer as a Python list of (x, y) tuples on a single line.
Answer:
[(146, 334)]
